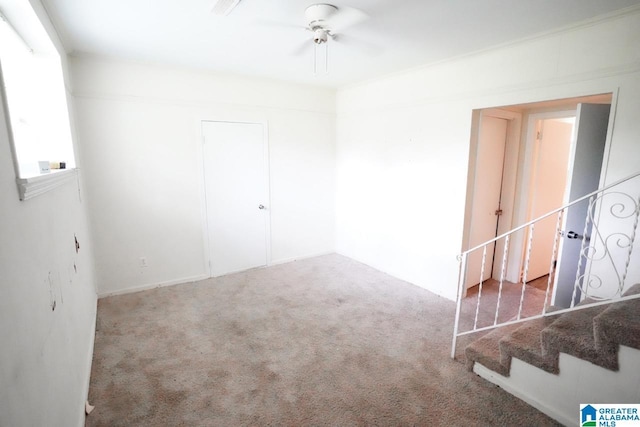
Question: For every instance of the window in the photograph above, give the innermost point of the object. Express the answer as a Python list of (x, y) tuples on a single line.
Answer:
[(35, 97)]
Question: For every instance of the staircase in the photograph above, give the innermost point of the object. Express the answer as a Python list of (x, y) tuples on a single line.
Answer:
[(594, 335), (555, 358)]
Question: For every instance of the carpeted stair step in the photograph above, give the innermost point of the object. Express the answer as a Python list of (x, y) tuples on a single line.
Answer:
[(486, 351), (619, 324), (525, 344), (592, 334), (573, 333)]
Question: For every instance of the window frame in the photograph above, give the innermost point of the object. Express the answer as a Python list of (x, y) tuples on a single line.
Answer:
[(31, 186)]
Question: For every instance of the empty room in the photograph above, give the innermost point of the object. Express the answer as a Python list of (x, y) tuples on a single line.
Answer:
[(235, 212)]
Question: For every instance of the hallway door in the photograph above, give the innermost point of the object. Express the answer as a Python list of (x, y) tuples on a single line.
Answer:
[(236, 189), (486, 195), (588, 152), (548, 186)]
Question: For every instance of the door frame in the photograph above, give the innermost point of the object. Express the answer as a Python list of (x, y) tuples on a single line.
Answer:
[(519, 211), (516, 260), (206, 256), (509, 173)]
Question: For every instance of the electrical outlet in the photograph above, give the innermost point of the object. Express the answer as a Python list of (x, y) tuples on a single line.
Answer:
[(143, 262)]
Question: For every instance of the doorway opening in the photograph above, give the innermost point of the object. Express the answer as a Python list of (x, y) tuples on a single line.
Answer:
[(551, 136), (497, 135), (521, 171)]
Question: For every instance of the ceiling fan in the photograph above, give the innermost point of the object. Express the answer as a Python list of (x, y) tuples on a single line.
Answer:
[(327, 23)]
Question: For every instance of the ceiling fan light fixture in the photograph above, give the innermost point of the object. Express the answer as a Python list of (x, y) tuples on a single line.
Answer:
[(224, 7), (320, 36)]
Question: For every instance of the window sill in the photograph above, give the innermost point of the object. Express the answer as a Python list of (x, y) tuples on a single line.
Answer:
[(40, 184)]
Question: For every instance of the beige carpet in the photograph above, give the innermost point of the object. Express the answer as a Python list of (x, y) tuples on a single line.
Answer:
[(324, 341)]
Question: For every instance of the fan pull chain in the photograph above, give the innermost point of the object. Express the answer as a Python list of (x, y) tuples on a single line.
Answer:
[(317, 52), (326, 58)]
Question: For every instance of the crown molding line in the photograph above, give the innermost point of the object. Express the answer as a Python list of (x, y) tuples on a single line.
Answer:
[(577, 26), (604, 73)]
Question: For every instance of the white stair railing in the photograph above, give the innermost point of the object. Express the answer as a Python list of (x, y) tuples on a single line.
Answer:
[(603, 264)]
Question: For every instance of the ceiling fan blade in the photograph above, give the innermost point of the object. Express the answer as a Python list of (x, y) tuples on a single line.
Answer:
[(346, 17), (302, 48), (367, 47), (224, 7)]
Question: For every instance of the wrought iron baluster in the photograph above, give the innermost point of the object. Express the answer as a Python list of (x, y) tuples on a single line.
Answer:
[(462, 274), (502, 272), (581, 254), (526, 269), (554, 254), (484, 257), (632, 239)]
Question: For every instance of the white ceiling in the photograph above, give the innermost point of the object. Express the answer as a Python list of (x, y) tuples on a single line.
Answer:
[(399, 34)]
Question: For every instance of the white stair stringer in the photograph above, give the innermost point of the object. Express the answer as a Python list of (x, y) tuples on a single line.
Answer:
[(579, 381)]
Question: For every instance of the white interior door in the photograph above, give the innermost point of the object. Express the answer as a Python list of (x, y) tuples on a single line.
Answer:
[(548, 185), (486, 195), (236, 191), (588, 151)]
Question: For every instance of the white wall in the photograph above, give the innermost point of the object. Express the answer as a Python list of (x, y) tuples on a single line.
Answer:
[(46, 353), (141, 154), (403, 141)]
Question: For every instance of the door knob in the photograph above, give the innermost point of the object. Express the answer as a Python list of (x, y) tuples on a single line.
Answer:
[(261, 207), (573, 235)]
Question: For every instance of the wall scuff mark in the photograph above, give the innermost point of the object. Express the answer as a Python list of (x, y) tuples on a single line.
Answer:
[(52, 296)]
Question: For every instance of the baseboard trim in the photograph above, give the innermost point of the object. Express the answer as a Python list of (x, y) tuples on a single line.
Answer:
[(298, 258), (153, 286), (503, 383), (147, 287), (92, 340)]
